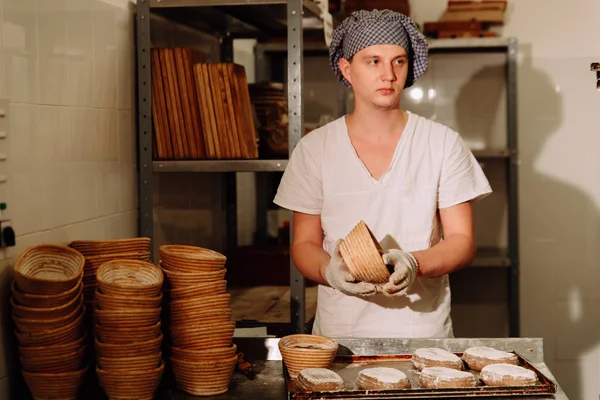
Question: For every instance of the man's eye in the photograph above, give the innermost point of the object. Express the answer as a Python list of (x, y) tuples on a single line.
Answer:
[(374, 61), (400, 62)]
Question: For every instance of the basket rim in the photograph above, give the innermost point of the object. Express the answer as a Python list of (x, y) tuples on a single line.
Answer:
[(78, 286), (98, 293), (191, 252), (135, 372), (57, 374), (282, 343), (15, 303), (179, 274), (125, 263), (54, 248), (204, 363)]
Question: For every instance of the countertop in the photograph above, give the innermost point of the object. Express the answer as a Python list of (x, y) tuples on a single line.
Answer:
[(269, 383)]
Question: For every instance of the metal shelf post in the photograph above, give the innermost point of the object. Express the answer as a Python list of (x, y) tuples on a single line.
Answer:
[(144, 108), (295, 129), (512, 188)]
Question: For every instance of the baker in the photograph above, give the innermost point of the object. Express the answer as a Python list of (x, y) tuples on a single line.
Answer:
[(409, 178)]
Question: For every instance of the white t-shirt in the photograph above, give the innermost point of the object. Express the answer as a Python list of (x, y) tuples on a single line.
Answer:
[(431, 169)]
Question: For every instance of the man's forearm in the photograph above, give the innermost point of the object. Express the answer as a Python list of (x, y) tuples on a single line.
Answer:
[(453, 253), (311, 260)]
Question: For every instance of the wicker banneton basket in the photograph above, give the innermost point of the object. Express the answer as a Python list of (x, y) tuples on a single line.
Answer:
[(129, 277), (106, 247), (362, 254), (302, 351), (204, 378), (48, 269), (134, 383)]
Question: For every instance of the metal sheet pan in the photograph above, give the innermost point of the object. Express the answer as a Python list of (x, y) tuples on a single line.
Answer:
[(348, 367)]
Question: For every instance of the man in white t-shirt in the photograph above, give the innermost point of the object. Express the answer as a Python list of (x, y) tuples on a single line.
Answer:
[(407, 177)]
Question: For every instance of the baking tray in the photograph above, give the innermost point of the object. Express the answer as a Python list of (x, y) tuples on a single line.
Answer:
[(349, 366)]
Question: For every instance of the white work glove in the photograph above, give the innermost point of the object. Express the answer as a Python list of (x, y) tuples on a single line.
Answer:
[(405, 272), (339, 277)]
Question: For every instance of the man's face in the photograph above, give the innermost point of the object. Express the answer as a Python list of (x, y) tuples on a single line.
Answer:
[(377, 74)]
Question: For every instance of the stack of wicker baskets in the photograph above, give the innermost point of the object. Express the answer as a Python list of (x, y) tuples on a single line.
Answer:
[(48, 310), (97, 252), (128, 328), (203, 357)]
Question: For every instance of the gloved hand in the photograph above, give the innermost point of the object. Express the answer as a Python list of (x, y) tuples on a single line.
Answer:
[(339, 277), (405, 272)]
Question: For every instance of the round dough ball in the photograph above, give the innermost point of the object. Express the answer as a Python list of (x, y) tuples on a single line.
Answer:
[(442, 377), (381, 378), (319, 380), (478, 357), (507, 375), (435, 357)]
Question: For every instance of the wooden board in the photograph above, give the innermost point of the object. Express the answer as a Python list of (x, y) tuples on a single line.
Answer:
[(162, 138)]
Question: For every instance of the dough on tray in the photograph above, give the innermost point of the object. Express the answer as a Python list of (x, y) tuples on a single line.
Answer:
[(442, 377), (507, 375), (319, 380), (478, 357), (381, 378), (436, 357)]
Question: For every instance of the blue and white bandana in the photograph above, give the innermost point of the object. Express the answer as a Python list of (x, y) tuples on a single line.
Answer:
[(367, 28)]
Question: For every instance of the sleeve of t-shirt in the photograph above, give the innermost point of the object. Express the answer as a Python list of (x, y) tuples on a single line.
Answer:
[(301, 188), (462, 178)]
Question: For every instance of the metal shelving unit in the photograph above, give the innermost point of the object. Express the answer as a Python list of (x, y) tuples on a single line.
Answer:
[(292, 22), (227, 19)]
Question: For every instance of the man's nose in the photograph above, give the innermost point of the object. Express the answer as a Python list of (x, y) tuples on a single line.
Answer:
[(388, 74)]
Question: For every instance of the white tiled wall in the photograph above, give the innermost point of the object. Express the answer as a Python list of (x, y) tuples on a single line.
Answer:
[(66, 68)]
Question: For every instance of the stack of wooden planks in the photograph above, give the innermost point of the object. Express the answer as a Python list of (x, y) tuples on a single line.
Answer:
[(200, 110), (467, 18)]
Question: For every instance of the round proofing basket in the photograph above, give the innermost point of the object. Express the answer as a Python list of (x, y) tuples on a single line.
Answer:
[(130, 318), (65, 334), (127, 335), (362, 254), (44, 324), (133, 349), (217, 353), (46, 313), (184, 279), (302, 351), (190, 254), (48, 269), (114, 302), (129, 278), (61, 363), (96, 247), (130, 384), (200, 303), (53, 350), (64, 385), (203, 337), (204, 378), (92, 263), (206, 316), (148, 362), (44, 300), (202, 289)]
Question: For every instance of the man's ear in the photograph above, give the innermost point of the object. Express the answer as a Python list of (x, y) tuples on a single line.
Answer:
[(345, 69)]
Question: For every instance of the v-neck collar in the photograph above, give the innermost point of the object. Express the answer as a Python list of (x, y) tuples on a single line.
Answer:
[(383, 178)]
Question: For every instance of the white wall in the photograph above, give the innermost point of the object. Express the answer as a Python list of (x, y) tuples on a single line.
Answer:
[(66, 69), (559, 136)]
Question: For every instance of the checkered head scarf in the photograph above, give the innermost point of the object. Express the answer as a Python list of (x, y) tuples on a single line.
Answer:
[(367, 28)]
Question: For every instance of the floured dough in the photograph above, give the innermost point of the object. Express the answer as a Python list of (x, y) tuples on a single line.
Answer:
[(442, 377), (319, 380), (507, 375), (478, 357), (435, 357), (380, 378)]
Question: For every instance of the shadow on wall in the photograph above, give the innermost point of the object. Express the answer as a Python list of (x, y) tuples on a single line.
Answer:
[(555, 222)]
